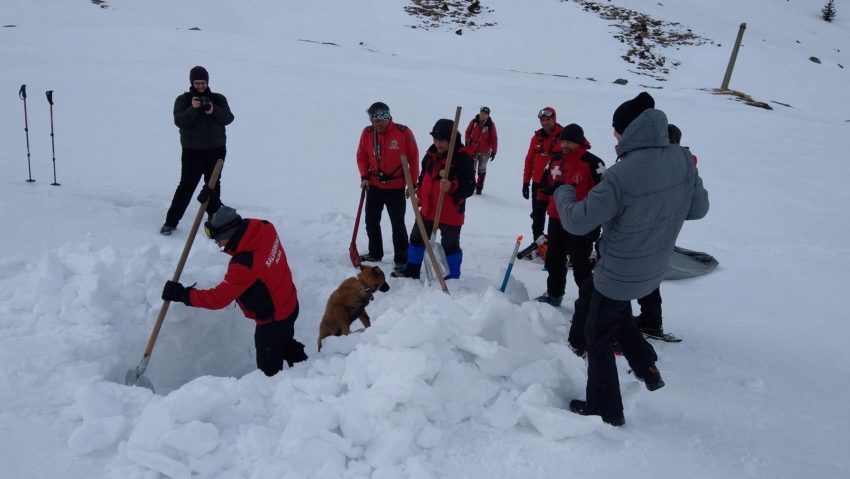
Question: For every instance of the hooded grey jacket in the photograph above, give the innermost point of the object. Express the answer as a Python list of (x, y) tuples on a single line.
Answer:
[(641, 204)]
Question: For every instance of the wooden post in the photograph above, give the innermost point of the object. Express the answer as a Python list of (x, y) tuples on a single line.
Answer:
[(728, 76)]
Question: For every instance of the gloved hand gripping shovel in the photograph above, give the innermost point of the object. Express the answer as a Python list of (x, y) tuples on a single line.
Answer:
[(135, 377), (439, 252)]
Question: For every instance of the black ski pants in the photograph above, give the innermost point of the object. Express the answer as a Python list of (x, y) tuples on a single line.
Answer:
[(610, 320), (560, 244), (538, 212), (394, 200), (449, 236), (193, 165), (275, 343), (650, 310)]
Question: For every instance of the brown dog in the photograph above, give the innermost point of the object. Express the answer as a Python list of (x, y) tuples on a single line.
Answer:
[(348, 302)]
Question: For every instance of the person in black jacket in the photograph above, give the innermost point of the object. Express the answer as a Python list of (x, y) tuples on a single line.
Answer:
[(201, 116)]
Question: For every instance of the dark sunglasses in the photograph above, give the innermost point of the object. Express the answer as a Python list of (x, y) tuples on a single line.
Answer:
[(545, 113)]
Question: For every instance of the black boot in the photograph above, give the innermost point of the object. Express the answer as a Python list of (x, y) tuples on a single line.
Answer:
[(651, 378), (411, 270), (583, 408)]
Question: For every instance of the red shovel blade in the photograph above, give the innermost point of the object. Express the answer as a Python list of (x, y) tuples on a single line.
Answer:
[(355, 256)]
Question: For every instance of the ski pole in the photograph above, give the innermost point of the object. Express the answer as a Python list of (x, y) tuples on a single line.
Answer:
[(49, 94), (510, 264), (22, 93)]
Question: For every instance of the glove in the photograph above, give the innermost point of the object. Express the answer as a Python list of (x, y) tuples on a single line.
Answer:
[(525, 190), (550, 189), (176, 292), (492, 156), (206, 193)]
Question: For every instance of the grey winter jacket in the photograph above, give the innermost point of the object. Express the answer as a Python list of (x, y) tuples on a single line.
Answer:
[(641, 204)]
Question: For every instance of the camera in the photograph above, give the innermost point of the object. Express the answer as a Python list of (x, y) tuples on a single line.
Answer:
[(205, 102)]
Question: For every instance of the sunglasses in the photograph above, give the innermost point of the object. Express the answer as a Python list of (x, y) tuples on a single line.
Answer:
[(545, 113)]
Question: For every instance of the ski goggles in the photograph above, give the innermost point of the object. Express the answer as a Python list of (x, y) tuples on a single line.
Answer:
[(379, 115), (485, 109), (545, 113), (214, 233)]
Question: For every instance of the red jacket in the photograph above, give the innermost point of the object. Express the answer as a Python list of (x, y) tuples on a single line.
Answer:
[(258, 276), (542, 149), (580, 168), (482, 138), (462, 176), (395, 141)]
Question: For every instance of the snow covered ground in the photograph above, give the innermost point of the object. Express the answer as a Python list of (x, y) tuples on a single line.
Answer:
[(472, 385)]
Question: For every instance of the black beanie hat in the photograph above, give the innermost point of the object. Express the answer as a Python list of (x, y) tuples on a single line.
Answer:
[(442, 129), (199, 73), (629, 110), (674, 133), (572, 132)]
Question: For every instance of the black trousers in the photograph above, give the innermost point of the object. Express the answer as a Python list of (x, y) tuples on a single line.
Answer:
[(650, 310), (610, 320), (394, 200), (560, 244), (275, 343), (449, 236), (538, 212), (581, 308), (193, 165)]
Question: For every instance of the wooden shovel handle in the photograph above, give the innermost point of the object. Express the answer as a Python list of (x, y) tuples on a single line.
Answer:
[(186, 248), (448, 165), (421, 224)]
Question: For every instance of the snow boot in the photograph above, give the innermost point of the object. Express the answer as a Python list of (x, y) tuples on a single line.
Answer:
[(166, 230), (479, 185), (584, 409), (549, 299), (651, 378), (369, 258), (454, 260), (415, 255)]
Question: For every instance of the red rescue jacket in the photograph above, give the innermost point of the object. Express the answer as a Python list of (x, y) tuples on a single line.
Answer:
[(258, 276), (579, 167), (542, 149), (462, 176), (482, 138), (381, 165)]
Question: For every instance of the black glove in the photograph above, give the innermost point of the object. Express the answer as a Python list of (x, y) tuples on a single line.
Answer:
[(550, 189), (525, 191), (206, 193), (176, 292), (492, 156)]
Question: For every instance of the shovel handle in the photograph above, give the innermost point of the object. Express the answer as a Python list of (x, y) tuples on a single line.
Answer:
[(413, 201), (186, 248)]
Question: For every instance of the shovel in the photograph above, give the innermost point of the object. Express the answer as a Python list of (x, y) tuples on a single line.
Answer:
[(411, 190), (352, 248), (439, 252), (135, 377)]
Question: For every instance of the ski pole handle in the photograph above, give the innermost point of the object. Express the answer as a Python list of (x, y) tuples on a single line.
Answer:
[(22, 93), (510, 264), (49, 94)]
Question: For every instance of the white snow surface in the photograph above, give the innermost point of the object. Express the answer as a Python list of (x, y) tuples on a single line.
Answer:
[(471, 385)]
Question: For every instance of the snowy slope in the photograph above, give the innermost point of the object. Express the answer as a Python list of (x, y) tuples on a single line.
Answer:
[(473, 385)]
